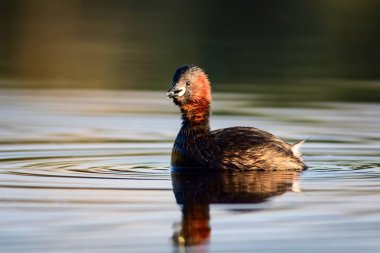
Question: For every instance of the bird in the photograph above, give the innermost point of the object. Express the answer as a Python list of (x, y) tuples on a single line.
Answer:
[(239, 148)]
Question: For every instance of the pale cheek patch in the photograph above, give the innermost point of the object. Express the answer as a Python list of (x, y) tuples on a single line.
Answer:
[(181, 92)]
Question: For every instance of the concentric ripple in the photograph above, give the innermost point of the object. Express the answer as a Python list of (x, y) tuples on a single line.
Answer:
[(127, 165), (89, 170)]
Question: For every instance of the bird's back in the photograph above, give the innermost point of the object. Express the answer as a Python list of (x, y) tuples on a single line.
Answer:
[(248, 148)]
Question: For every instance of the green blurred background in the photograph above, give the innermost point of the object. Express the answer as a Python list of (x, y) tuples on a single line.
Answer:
[(295, 50)]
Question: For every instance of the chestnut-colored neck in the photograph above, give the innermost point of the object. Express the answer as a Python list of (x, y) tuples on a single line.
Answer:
[(196, 112), (195, 115)]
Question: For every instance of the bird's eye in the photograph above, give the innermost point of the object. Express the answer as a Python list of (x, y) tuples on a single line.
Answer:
[(188, 83)]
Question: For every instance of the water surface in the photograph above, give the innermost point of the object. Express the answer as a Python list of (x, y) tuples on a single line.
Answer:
[(89, 171)]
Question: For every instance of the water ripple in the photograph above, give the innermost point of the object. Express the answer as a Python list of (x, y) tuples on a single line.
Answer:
[(92, 162)]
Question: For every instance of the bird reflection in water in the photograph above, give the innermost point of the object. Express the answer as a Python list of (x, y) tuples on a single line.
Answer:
[(196, 191)]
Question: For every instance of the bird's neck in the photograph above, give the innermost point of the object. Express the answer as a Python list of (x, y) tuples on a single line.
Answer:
[(195, 116)]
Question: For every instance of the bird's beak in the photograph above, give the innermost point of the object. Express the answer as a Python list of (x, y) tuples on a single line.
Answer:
[(176, 92), (170, 94)]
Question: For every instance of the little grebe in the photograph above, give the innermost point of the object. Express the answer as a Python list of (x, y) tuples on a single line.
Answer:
[(234, 148)]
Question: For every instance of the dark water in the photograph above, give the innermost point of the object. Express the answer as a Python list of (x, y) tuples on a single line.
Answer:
[(310, 50), (88, 171)]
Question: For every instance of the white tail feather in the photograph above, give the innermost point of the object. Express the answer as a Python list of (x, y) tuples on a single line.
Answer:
[(296, 148), (296, 186)]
